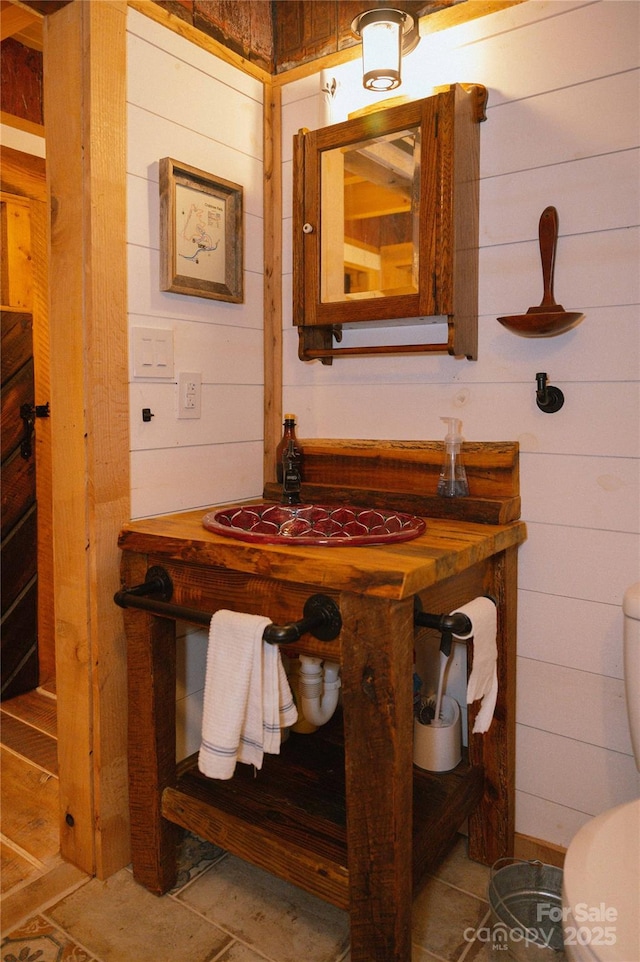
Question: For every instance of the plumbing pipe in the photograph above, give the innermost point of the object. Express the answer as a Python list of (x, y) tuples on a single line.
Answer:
[(318, 690)]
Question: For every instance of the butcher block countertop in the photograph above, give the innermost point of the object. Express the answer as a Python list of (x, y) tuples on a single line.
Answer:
[(394, 571)]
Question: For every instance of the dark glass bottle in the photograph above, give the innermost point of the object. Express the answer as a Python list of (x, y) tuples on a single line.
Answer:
[(289, 434)]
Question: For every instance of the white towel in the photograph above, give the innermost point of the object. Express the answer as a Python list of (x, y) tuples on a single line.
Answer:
[(483, 681), (247, 698)]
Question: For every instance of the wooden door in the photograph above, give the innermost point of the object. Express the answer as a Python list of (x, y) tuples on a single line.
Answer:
[(19, 512), (27, 611)]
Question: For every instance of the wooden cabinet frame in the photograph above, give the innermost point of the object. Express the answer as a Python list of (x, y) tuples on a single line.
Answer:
[(447, 232)]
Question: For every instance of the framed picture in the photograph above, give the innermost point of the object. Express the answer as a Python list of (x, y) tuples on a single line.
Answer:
[(201, 233)]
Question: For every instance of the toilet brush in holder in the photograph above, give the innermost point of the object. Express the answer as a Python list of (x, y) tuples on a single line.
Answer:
[(437, 729), (437, 746)]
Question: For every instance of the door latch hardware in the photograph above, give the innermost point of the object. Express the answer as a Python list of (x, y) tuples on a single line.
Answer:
[(29, 413)]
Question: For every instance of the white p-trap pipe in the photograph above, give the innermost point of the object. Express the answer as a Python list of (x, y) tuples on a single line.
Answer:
[(318, 689)]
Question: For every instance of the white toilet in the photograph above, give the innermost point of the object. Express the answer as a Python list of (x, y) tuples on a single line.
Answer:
[(601, 878)]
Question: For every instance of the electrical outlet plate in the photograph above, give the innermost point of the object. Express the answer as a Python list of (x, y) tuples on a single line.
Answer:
[(189, 394)]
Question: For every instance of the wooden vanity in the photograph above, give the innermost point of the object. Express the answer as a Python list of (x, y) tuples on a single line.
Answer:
[(342, 813)]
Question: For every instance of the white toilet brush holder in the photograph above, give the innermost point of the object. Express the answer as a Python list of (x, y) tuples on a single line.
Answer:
[(437, 747)]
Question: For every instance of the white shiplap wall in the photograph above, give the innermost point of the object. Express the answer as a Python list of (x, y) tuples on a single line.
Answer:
[(563, 129), (186, 104)]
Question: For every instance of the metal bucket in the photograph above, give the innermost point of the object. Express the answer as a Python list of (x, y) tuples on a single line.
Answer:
[(526, 909)]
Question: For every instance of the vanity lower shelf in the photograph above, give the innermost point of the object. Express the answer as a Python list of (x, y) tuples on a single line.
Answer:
[(290, 819)]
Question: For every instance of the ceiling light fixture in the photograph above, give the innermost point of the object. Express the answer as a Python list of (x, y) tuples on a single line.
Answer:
[(386, 35)]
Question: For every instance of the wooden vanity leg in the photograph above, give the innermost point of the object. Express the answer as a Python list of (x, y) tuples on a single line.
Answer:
[(151, 672), (377, 645), (492, 824)]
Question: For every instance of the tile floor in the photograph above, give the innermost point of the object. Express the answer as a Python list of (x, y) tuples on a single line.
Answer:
[(225, 910)]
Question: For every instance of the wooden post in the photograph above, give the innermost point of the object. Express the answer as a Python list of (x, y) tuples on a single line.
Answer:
[(377, 645), (85, 106), (151, 656), (491, 825)]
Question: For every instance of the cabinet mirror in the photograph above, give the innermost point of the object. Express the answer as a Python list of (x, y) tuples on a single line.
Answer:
[(369, 203), (386, 223)]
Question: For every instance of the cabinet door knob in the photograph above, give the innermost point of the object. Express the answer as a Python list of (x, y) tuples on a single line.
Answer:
[(307, 228)]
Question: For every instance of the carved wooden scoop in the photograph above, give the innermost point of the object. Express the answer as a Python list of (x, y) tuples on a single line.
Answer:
[(549, 318)]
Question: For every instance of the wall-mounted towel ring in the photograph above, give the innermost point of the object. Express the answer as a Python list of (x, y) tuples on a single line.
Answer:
[(321, 615)]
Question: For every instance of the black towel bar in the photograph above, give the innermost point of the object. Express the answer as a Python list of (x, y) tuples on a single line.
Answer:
[(321, 614)]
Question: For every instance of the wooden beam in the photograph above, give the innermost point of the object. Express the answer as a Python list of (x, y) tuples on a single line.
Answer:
[(85, 81), (272, 205), (23, 174), (28, 126), (14, 19)]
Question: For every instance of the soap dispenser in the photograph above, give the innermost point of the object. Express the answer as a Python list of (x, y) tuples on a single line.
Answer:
[(452, 482)]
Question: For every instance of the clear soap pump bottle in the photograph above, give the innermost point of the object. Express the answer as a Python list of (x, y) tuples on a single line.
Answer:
[(452, 482)]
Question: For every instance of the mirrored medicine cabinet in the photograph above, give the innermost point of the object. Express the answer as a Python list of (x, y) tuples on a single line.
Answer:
[(385, 225)]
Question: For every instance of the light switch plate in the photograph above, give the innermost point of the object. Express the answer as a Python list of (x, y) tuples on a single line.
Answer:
[(152, 352)]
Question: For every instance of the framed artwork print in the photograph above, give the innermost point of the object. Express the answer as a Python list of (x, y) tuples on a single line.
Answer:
[(201, 233)]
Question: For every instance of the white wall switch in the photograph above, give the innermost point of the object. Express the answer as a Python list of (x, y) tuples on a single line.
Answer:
[(189, 395), (152, 352)]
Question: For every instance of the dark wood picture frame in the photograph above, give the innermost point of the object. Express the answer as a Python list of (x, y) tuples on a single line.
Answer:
[(201, 233)]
